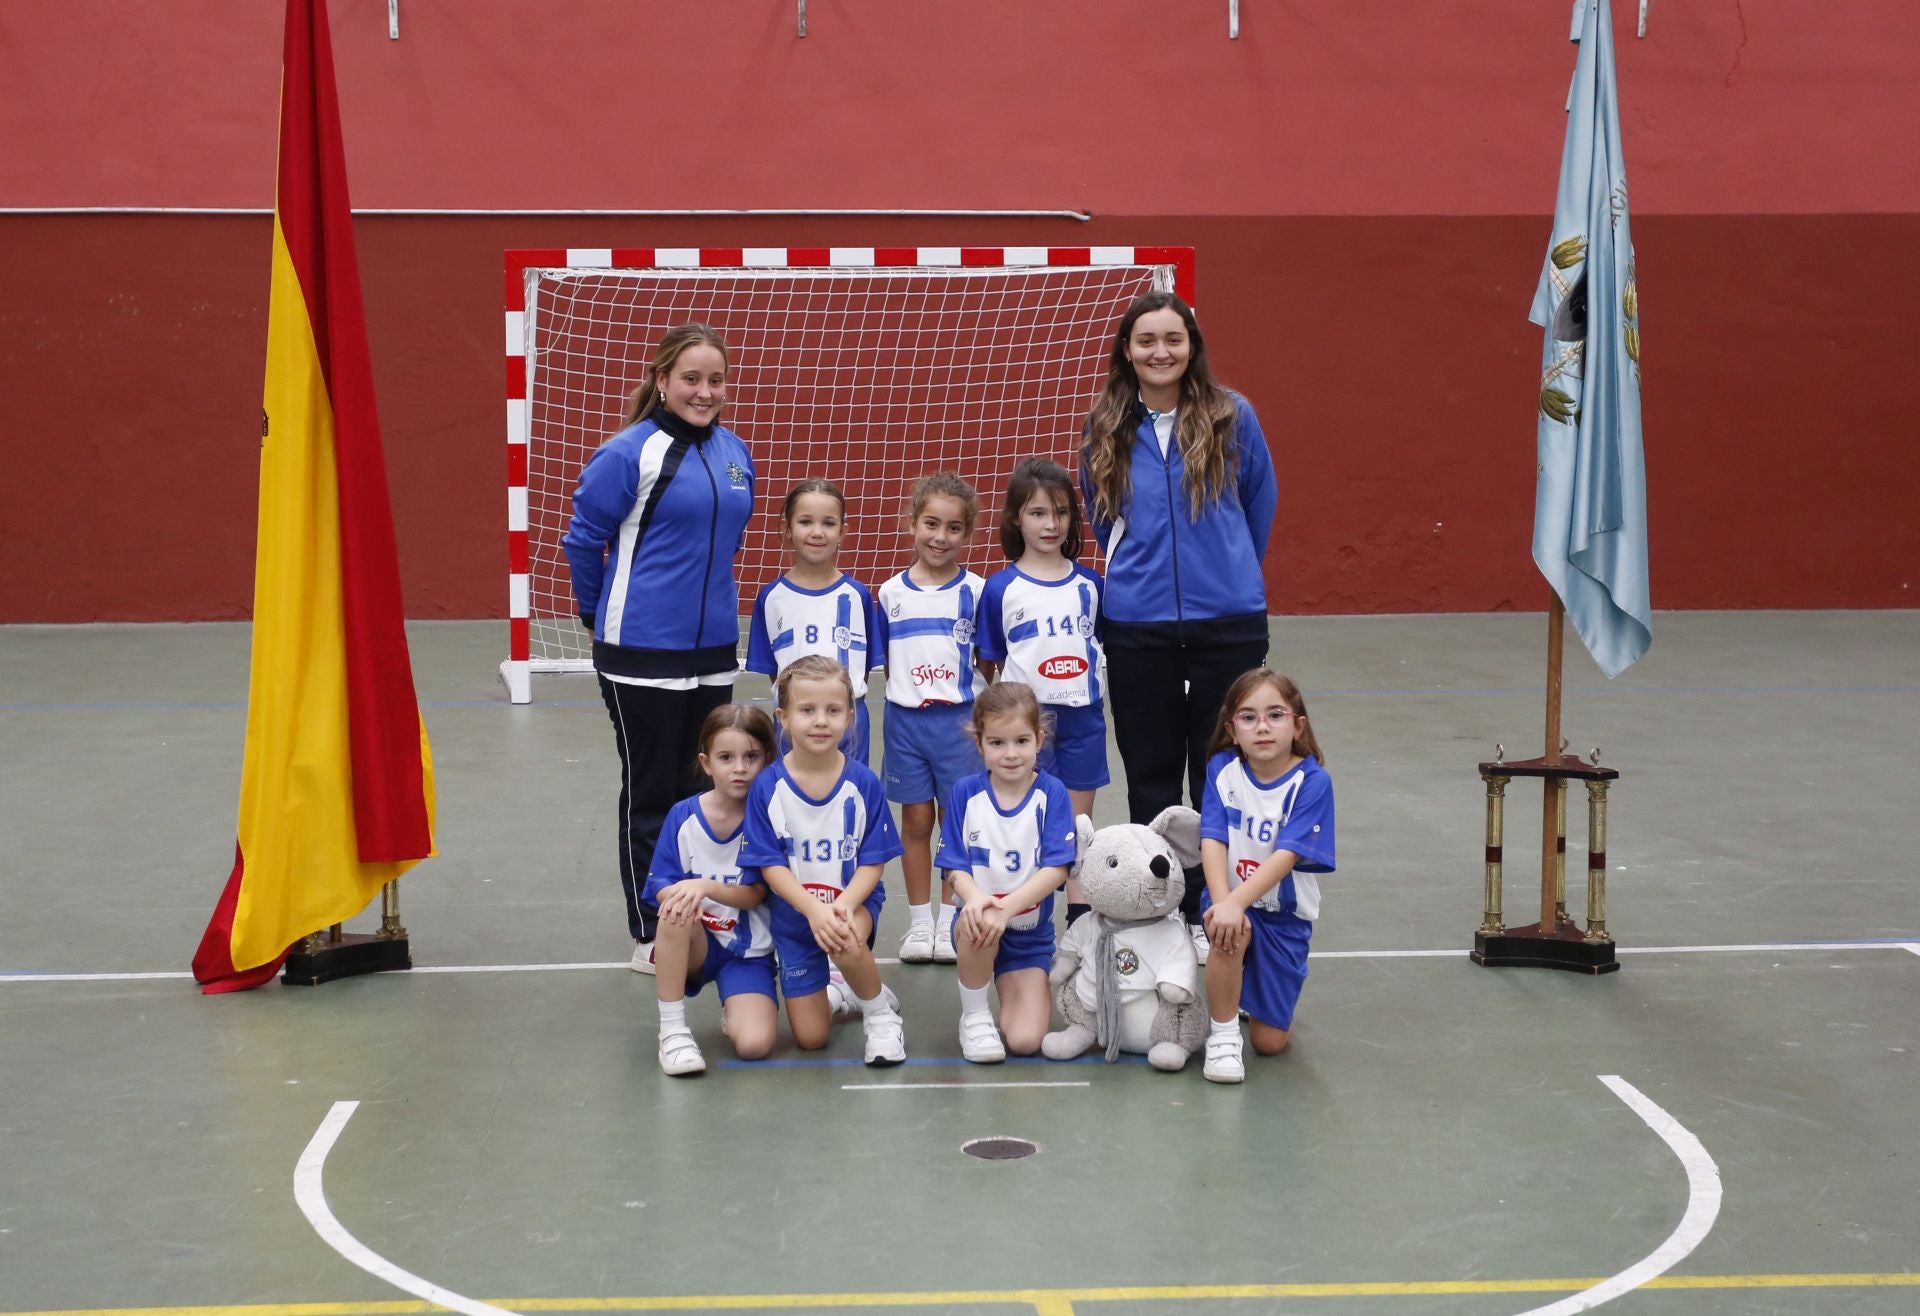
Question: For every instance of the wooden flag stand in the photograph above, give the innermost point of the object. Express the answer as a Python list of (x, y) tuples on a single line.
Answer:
[(324, 956), (1554, 942)]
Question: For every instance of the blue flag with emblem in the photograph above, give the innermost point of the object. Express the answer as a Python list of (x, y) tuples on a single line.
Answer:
[(1590, 503)]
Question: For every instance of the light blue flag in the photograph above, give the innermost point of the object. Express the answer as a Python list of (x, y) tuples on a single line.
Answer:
[(1590, 505)]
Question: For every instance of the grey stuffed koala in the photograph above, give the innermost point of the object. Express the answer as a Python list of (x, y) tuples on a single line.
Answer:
[(1125, 975)]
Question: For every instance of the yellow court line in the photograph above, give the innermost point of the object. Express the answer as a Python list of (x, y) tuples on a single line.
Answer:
[(1046, 1302)]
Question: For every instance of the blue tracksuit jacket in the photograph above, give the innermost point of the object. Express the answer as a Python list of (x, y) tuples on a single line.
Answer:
[(658, 516), (1173, 573)]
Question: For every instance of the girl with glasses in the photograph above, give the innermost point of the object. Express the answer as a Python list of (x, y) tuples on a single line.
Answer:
[(1266, 830)]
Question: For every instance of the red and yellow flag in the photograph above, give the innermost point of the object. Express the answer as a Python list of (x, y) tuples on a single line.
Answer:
[(336, 783)]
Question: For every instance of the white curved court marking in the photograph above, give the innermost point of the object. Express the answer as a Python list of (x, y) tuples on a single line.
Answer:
[(1703, 1207), (311, 1195)]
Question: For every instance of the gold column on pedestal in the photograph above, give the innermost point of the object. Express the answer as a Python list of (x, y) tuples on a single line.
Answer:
[(1597, 862), (390, 927), (1490, 924), (1559, 789)]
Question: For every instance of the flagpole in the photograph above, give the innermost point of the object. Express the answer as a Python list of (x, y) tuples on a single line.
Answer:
[(1551, 839)]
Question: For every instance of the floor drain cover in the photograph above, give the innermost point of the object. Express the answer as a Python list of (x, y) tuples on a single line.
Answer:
[(999, 1149)]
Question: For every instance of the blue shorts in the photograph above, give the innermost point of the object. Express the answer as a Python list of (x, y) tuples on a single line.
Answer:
[(927, 751), (1076, 752), (733, 973), (804, 967), (1276, 965), (1020, 948), (853, 744)]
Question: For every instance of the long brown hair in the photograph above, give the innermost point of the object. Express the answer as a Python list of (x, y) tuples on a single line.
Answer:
[(675, 341), (1304, 742), (1203, 430), (1030, 476)]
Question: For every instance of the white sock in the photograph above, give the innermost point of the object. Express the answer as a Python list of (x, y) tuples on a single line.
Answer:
[(973, 1000), (1225, 1028), (673, 1017), (921, 915), (878, 1005)]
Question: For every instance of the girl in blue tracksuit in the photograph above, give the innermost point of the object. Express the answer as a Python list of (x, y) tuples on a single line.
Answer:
[(658, 519), (1180, 491)]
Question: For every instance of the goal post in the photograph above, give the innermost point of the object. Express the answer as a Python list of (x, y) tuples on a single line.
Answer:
[(870, 366)]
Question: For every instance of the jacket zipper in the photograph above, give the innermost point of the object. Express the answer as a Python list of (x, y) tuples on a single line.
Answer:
[(1173, 524), (713, 525)]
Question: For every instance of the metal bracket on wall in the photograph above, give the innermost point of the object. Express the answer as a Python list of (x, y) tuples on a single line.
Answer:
[(1233, 19), (801, 17), (1643, 19), (393, 20)]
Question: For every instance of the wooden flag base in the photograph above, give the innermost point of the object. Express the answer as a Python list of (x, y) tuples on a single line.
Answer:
[(352, 954), (1525, 948), (332, 954)]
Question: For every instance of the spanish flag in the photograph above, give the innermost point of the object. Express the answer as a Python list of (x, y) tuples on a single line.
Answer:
[(336, 782)]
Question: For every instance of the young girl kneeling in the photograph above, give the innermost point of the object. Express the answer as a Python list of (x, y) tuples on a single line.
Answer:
[(713, 920), (1006, 841), (1266, 828), (818, 832)]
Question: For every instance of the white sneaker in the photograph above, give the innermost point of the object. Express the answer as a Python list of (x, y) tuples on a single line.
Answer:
[(886, 1039), (840, 998), (943, 939), (917, 946), (642, 961), (1224, 1063), (680, 1054), (980, 1040), (1201, 946)]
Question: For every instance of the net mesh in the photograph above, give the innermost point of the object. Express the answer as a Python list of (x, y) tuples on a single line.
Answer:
[(869, 377)]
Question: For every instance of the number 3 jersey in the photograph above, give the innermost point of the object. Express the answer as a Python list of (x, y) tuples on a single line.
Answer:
[(1046, 632), (1001, 848), (792, 622), (1253, 818), (688, 848), (822, 841)]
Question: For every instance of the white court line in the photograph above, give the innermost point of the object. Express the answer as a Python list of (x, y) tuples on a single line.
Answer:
[(1703, 1207), (1459, 952), (904, 1087), (311, 1194)]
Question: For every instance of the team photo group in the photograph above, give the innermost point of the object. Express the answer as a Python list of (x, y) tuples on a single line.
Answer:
[(752, 847)]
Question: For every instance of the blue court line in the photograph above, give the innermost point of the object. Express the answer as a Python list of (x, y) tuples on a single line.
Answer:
[(1424, 693), (1093, 1057)]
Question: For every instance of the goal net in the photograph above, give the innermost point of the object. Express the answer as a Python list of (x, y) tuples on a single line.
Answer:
[(867, 367)]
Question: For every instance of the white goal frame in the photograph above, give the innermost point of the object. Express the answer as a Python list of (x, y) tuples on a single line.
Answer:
[(1170, 267)]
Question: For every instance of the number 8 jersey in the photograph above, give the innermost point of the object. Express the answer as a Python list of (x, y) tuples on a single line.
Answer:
[(1001, 848), (1254, 818)]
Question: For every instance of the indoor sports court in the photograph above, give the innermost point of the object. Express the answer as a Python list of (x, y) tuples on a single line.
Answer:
[(917, 227), (1441, 1137)]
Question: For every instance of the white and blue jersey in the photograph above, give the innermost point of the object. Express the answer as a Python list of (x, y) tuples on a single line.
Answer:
[(1045, 633), (822, 841), (1001, 849), (927, 637), (790, 622), (1254, 818), (688, 848)]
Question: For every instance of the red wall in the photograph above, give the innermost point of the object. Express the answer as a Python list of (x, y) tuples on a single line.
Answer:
[(1367, 187)]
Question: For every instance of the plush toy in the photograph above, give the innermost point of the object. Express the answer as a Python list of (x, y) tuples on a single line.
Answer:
[(1125, 976)]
